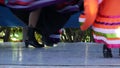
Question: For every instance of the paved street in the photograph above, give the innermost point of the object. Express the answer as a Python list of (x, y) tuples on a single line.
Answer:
[(64, 55)]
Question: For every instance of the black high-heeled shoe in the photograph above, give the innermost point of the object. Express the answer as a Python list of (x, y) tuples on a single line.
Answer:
[(31, 39), (119, 51), (107, 52), (47, 41), (33, 43)]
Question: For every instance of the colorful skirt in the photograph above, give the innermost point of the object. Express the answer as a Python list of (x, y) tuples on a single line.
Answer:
[(106, 29), (30, 4)]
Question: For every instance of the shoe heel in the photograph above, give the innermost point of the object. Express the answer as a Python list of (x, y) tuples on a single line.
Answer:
[(26, 44), (107, 52), (119, 52)]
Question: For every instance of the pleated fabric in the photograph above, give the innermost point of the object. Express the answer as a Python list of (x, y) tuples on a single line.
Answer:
[(106, 29)]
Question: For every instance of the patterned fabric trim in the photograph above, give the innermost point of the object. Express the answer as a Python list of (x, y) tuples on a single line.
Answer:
[(106, 35), (109, 16), (109, 38), (106, 40), (106, 26), (106, 23), (109, 19), (108, 45), (106, 31)]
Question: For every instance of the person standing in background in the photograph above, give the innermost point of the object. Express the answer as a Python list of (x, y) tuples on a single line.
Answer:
[(51, 26), (51, 21)]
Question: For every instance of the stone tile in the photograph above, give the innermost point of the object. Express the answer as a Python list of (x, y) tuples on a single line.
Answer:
[(64, 55)]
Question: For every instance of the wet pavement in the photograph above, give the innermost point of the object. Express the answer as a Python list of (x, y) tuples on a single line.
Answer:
[(64, 55)]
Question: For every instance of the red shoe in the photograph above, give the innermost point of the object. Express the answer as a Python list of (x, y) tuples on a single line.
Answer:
[(20, 2)]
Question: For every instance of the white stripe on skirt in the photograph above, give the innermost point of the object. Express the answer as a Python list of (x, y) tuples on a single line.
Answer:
[(107, 31)]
